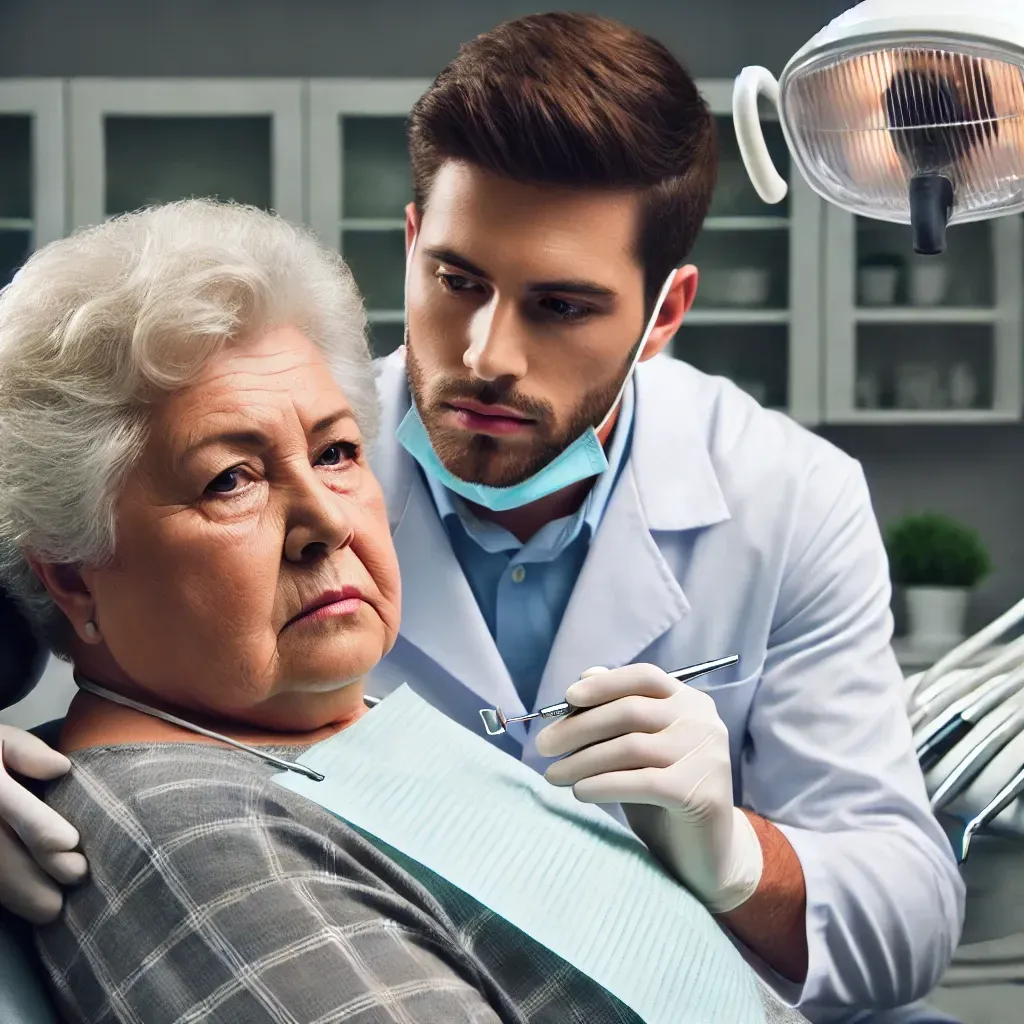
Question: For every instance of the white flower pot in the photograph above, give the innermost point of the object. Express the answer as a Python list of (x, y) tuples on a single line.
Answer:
[(936, 615)]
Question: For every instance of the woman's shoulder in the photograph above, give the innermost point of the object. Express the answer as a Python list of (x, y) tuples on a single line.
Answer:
[(165, 792)]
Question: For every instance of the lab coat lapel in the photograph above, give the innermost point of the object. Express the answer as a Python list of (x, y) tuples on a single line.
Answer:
[(624, 599), (627, 595), (440, 615)]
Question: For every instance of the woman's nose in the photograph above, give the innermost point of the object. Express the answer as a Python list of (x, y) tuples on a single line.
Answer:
[(319, 523)]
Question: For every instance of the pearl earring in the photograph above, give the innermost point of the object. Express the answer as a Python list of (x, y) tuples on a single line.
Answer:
[(91, 630)]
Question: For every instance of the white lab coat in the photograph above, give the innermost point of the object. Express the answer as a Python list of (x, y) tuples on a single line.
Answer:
[(731, 530)]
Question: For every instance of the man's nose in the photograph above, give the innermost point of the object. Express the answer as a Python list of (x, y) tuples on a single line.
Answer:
[(496, 344)]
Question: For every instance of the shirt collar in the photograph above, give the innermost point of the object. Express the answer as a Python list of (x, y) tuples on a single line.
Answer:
[(562, 532)]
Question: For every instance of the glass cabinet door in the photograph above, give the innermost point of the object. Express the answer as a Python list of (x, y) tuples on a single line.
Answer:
[(140, 143), (32, 209), (360, 186), (924, 338), (755, 316)]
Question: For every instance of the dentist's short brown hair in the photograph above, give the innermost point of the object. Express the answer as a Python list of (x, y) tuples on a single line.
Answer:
[(577, 100)]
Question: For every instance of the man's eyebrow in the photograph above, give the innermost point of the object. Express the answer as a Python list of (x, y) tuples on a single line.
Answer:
[(256, 440), (575, 287)]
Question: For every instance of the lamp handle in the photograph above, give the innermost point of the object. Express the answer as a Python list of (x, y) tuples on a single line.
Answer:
[(751, 83)]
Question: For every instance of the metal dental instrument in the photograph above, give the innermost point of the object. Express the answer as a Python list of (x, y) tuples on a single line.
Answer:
[(495, 721), (1000, 802), (949, 728), (978, 758), (958, 682), (970, 648)]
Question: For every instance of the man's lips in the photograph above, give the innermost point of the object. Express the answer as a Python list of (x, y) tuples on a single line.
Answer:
[(483, 409), (480, 418)]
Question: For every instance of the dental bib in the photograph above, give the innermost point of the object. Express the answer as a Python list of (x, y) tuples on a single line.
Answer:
[(562, 872)]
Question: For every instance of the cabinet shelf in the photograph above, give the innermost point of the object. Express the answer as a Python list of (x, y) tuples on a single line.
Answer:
[(16, 224), (763, 223), (926, 315), (893, 364), (922, 417), (372, 224), (735, 317), (385, 316)]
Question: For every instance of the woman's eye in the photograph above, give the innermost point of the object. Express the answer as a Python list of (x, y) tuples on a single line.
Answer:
[(226, 483), (338, 454)]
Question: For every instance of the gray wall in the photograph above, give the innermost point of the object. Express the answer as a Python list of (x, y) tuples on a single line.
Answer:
[(362, 37), (969, 472)]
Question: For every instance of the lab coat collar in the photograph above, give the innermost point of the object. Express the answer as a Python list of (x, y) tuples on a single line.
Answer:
[(675, 477), (626, 597), (672, 468)]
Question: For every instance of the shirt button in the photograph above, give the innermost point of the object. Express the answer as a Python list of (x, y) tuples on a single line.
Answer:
[(518, 574)]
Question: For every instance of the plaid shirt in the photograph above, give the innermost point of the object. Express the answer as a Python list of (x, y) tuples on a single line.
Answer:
[(216, 895)]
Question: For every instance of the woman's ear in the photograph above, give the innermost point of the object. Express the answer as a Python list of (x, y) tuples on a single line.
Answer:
[(67, 588)]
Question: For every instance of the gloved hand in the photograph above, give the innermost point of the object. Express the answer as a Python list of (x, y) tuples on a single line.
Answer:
[(36, 843), (659, 748)]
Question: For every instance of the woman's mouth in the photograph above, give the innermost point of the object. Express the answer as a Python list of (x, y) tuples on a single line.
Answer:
[(331, 604)]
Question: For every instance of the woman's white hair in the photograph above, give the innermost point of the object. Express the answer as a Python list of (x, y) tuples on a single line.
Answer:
[(96, 327)]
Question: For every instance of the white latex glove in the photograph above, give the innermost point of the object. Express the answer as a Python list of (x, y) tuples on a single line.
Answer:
[(659, 748), (36, 843)]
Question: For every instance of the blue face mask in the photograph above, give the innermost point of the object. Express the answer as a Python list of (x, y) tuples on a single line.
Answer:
[(583, 458)]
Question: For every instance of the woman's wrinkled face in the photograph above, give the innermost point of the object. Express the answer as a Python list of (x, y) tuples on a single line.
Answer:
[(254, 574)]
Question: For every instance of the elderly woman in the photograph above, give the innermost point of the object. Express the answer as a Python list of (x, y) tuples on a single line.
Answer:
[(187, 514)]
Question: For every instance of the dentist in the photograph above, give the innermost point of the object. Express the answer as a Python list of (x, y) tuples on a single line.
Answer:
[(562, 496)]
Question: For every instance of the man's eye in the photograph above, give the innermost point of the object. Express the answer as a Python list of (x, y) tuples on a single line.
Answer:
[(456, 282), (225, 483), (338, 454), (565, 310)]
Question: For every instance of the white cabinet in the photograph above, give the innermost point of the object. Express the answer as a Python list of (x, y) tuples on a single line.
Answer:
[(828, 317), (923, 339), (756, 318), (133, 143), (360, 185), (32, 169)]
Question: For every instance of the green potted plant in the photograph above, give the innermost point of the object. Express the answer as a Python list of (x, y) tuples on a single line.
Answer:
[(938, 562)]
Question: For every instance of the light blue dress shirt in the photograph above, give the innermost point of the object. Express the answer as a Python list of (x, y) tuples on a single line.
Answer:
[(523, 589)]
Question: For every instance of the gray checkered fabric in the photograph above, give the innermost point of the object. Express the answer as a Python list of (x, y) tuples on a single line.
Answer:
[(216, 895)]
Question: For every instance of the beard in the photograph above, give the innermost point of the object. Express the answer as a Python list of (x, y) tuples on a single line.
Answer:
[(497, 461)]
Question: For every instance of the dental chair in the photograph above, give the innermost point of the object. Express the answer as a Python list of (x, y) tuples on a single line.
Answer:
[(24, 996)]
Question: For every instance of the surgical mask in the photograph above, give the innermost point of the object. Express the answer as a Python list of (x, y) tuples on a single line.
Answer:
[(584, 458)]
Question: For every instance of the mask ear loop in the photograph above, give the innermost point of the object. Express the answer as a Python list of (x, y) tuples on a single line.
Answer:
[(639, 349), (405, 287)]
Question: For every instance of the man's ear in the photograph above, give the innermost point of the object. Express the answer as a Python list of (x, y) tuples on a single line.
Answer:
[(412, 224), (678, 301), (67, 588)]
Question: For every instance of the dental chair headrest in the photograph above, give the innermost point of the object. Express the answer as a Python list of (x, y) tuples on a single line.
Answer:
[(22, 656)]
